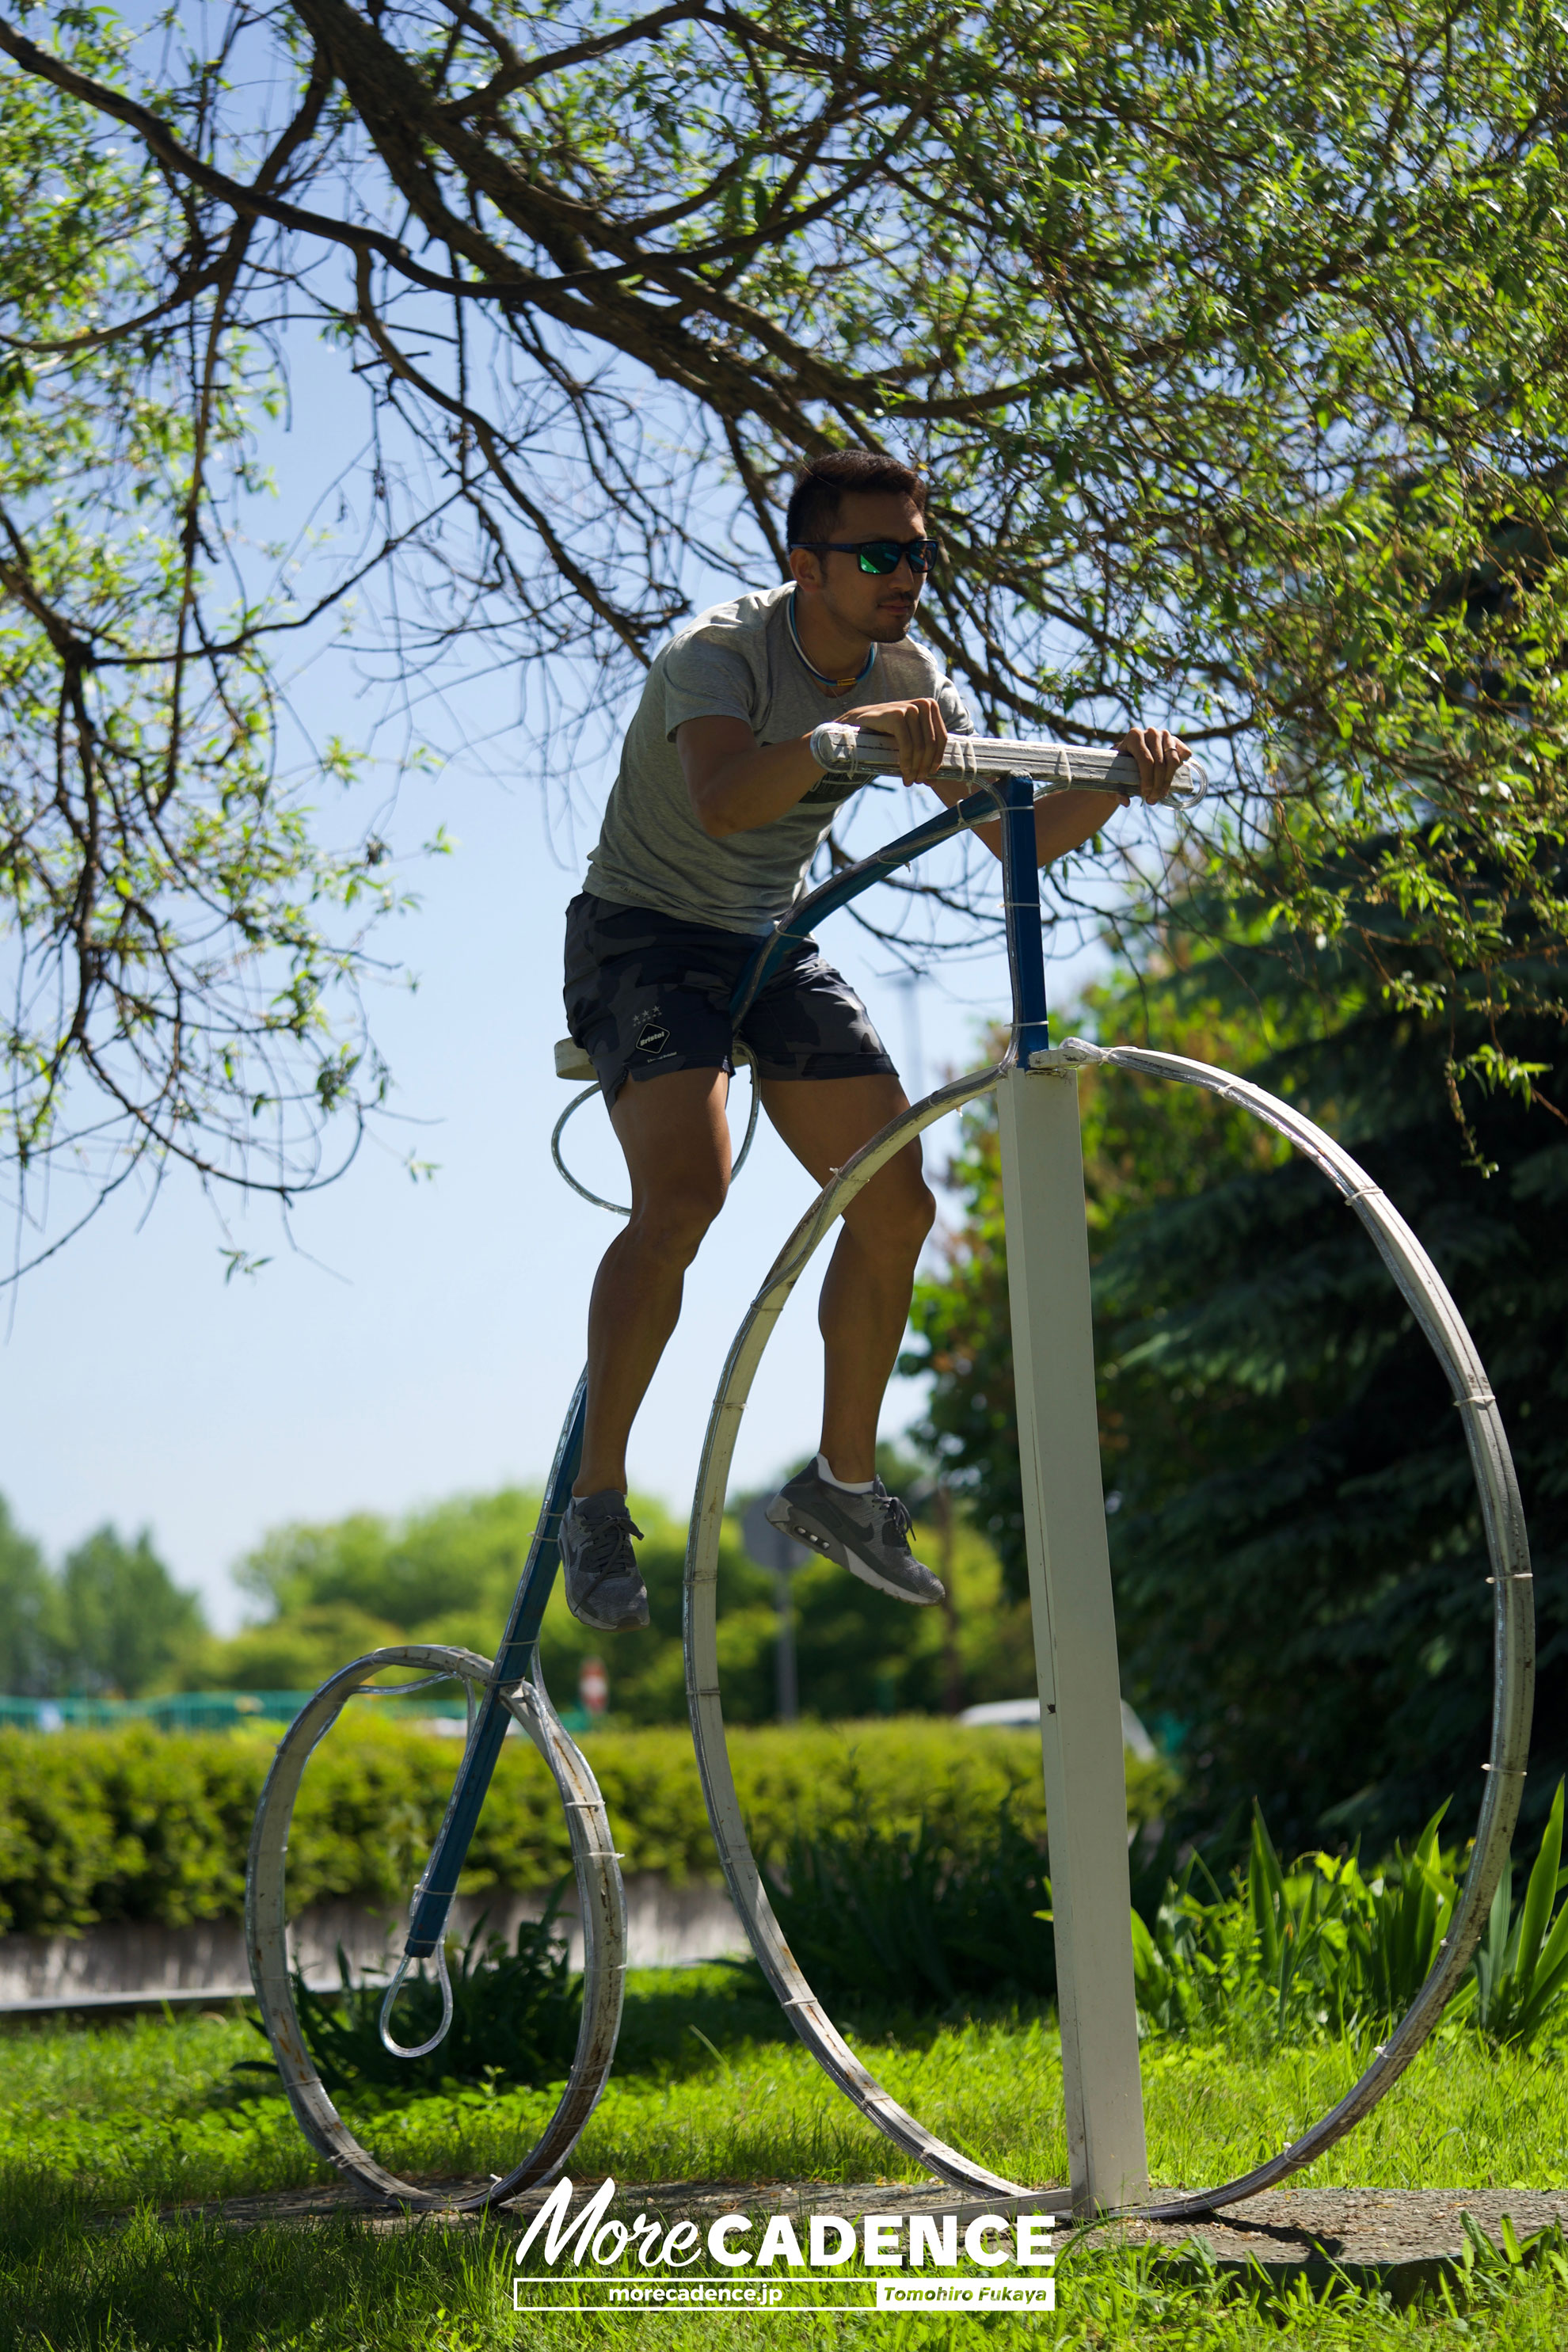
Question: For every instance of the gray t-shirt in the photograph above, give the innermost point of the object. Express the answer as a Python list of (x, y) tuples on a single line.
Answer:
[(738, 661)]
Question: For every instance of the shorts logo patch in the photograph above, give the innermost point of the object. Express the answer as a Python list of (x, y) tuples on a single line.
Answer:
[(653, 1037)]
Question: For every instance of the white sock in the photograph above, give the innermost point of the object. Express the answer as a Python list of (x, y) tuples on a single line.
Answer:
[(845, 1486)]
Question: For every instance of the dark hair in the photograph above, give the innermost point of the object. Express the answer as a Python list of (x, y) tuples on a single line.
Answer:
[(819, 493)]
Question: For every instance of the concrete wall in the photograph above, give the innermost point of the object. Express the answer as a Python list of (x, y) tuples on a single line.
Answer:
[(666, 1925)]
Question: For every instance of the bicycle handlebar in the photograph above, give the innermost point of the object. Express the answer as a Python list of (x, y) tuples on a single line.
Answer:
[(846, 750)]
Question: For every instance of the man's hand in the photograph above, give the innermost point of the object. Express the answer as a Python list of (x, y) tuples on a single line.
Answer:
[(1158, 755), (917, 730), (737, 784)]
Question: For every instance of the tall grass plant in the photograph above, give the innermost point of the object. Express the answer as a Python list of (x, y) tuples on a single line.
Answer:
[(1323, 1947)]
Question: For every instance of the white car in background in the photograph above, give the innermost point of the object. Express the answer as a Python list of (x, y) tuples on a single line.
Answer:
[(1023, 1714)]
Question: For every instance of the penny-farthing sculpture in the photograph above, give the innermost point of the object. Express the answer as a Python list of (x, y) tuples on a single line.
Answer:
[(1075, 1633)]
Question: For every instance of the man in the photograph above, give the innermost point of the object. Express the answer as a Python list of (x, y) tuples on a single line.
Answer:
[(708, 834)]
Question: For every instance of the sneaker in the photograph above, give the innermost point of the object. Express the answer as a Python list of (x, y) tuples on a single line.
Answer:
[(603, 1587), (867, 1534)]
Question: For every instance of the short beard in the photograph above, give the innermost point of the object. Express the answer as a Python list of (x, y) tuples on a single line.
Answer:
[(890, 633)]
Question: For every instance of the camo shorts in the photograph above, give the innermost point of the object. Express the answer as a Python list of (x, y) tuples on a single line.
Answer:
[(646, 992)]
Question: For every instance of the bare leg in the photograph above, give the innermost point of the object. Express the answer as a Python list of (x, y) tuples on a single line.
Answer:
[(677, 1143), (866, 1294)]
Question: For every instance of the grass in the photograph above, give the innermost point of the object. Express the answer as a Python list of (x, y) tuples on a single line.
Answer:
[(151, 2113)]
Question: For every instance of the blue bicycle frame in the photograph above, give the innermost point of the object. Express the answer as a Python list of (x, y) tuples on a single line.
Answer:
[(1014, 798)]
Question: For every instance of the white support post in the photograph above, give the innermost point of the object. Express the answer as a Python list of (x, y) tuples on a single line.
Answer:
[(1075, 1633)]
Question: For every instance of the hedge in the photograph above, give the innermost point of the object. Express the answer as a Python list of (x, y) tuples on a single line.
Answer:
[(135, 1824)]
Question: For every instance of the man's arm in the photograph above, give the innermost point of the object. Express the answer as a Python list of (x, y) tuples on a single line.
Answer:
[(1064, 821), (737, 784)]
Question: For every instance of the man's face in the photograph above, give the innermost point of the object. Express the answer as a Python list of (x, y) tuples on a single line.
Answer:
[(862, 604)]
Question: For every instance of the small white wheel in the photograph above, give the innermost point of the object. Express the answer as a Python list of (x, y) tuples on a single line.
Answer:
[(600, 1892)]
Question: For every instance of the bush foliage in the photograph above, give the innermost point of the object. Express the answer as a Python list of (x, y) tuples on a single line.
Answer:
[(137, 1824), (1285, 1955), (877, 1912)]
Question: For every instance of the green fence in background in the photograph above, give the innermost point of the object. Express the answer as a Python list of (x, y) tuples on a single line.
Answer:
[(219, 1711)]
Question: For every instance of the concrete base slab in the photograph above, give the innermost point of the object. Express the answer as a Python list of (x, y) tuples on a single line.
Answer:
[(1397, 2241), (1400, 2239)]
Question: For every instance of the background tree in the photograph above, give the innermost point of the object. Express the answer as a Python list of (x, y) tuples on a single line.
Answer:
[(122, 1627), (1143, 1147), (1299, 1560), (27, 1662), (112, 1622), (448, 1574), (1228, 336)]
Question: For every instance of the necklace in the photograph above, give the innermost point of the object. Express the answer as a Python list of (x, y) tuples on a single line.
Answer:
[(830, 685)]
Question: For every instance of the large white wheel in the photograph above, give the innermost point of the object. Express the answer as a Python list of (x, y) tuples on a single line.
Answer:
[(600, 1892), (1513, 1625)]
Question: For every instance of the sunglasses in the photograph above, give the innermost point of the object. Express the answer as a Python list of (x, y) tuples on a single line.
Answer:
[(877, 556)]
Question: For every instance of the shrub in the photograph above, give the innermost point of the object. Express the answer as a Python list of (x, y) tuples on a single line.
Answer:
[(1282, 1956), (907, 1916), (139, 1824), (124, 1824)]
